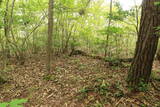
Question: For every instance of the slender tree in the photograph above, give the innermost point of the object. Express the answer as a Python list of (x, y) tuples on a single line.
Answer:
[(109, 24), (6, 28), (50, 34), (146, 46), (137, 9), (158, 54)]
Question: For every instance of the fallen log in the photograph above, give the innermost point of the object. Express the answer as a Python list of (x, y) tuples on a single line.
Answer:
[(112, 62), (78, 52)]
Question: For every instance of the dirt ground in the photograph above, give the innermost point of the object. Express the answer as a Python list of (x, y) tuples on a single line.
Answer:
[(76, 81)]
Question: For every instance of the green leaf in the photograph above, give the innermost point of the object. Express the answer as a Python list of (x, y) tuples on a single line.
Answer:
[(157, 3), (17, 102), (4, 104)]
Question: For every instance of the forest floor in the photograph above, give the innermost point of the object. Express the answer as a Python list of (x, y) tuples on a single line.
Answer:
[(76, 81)]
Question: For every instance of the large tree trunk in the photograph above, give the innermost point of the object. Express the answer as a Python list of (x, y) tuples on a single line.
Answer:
[(50, 34), (146, 46)]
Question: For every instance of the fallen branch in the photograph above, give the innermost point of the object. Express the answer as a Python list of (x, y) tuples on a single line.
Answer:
[(117, 62)]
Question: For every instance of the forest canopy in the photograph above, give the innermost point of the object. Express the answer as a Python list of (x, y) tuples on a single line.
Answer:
[(82, 24)]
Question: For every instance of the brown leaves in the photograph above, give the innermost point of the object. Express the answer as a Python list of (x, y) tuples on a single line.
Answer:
[(69, 76)]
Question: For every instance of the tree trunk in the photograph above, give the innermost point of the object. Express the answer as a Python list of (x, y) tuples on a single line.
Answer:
[(0, 2), (6, 29), (50, 34), (109, 24), (146, 46), (136, 17)]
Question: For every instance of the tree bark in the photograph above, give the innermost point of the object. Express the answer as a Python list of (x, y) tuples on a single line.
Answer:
[(50, 34), (146, 46)]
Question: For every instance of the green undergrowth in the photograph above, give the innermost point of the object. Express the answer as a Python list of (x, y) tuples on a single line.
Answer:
[(99, 93), (14, 103), (156, 75)]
